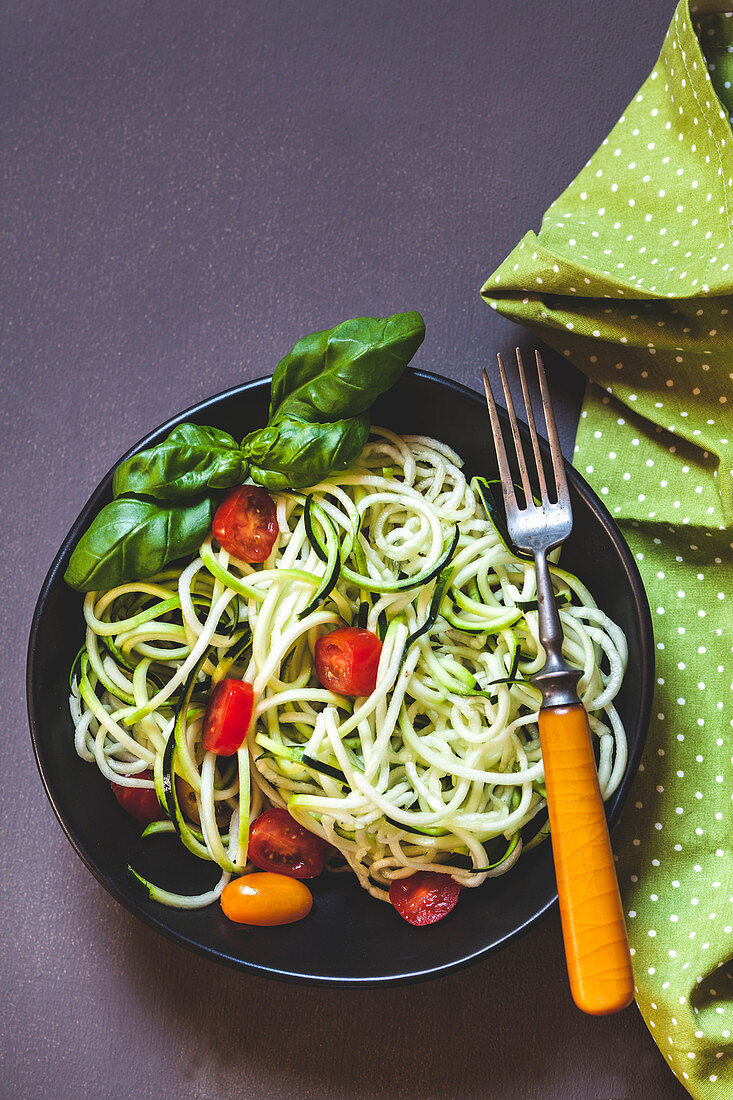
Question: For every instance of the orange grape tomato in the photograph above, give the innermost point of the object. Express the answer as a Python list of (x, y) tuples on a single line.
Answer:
[(266, 899)]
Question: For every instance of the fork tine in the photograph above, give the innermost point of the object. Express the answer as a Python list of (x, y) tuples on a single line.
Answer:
[(517, 438), (532, 428), (507, 486), (558, 466)]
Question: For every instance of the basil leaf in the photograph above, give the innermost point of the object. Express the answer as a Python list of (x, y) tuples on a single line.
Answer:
[(293, 453), (321, 395), (300, 365), (133, 538), (340, 372), (191, 460)]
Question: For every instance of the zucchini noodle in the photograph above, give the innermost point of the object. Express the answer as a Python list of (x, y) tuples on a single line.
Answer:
[(439, 769)]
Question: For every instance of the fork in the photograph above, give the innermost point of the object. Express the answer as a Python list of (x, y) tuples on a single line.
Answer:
[(596, 948)]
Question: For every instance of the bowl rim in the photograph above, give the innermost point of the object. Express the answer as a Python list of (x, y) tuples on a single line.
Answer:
[(642, 614)]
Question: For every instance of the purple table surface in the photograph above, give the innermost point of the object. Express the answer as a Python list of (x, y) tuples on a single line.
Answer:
[(188, 188)]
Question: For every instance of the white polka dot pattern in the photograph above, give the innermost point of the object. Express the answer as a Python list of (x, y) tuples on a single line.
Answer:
[(631, 277)]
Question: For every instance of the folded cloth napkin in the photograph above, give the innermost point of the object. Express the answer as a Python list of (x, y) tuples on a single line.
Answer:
[(631, 278)]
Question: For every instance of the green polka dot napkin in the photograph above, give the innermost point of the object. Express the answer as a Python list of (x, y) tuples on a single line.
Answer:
[(631, 278)]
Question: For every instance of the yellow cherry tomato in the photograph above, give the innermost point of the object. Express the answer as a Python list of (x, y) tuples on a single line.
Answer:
[(187, 801), (266, 899)]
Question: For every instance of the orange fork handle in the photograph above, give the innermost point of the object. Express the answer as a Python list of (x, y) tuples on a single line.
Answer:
[(596, 948)]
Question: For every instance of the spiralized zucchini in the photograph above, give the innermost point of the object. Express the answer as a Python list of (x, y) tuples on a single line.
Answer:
[(440, 768)]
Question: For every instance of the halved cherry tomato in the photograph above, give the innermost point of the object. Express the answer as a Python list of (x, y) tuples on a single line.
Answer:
[(227, 717), (347, 660), (266, 899), (425, 897), (278, 843), (140, 802), (245, 523)]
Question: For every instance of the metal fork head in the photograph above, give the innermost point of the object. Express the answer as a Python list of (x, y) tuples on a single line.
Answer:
[(535, 526)]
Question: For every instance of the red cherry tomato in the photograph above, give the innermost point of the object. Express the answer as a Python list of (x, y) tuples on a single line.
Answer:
[(278, 843), (347, 660), (227, 717), (140, 802), (425, 897), (245, 523)]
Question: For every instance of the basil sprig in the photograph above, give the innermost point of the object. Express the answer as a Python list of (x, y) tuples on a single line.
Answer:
[(166, 496)]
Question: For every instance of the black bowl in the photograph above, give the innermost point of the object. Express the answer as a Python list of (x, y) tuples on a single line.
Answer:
[(348, 937)]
